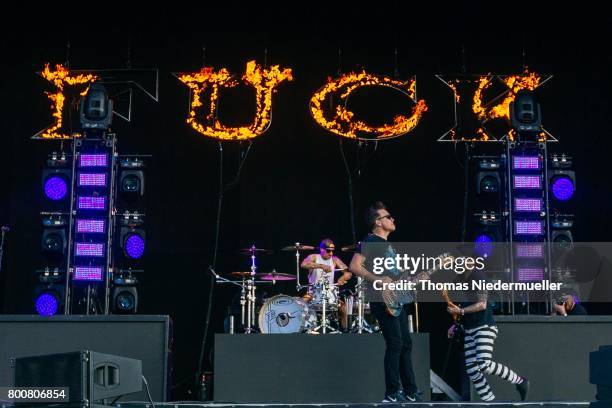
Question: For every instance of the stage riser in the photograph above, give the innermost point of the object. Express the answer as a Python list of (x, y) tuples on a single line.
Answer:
[(410, 405), (143, 338), (297, 368), (552, 352)]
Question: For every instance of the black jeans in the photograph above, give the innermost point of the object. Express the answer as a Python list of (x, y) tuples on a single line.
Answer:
[(398, 354)]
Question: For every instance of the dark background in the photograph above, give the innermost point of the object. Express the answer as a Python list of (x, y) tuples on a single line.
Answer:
[(293, 185)]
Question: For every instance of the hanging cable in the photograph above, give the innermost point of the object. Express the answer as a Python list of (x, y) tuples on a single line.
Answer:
[(350, 191), (212, 278), (466, 187)]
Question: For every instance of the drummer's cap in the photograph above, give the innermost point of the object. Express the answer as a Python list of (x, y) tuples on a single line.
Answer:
[(327, 244)]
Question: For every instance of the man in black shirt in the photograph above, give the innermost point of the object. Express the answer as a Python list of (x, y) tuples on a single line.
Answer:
[(398, 353), (569, 306), (480, 332)]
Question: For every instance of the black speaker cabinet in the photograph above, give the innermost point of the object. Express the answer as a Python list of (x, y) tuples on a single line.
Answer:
[(89, 376)]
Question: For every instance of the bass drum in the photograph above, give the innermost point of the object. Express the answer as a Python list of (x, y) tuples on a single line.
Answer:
[(286, 314)]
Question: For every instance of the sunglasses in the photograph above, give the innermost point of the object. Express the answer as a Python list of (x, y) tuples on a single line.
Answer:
[(328, 250), (389, 216)]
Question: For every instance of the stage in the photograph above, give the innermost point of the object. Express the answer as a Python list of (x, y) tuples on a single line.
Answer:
[(535, 404)]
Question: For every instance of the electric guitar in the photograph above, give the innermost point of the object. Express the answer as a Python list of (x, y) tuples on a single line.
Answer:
[(395, 300), (459, 331)]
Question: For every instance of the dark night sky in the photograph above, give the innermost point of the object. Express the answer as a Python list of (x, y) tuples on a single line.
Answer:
[(293, 185)]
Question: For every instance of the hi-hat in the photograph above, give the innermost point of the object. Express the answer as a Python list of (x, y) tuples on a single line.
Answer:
[(252, 250), (298, 248)]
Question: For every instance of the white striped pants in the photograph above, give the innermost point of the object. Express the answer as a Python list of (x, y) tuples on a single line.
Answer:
[(478, 348)]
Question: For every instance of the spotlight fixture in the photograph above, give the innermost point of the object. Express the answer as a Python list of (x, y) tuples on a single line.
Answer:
[(96, 110), (132, 241), (56, 184), (487, 182), (125, 294), (54, 242), (562, 184), (525, 113), (483, 245), (48, 299), (131, 179), (562, 238)]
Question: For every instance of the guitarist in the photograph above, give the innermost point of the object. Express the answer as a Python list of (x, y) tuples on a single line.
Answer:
[(400, 385), (479, 332)]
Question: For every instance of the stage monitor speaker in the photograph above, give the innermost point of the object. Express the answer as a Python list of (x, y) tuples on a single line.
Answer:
[(600, 372), (89, 376)]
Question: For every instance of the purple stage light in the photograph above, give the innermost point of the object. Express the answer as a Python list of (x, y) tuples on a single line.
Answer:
[(528, 228), (528, 204), (88, 273), (89, 249), (89, 226), (93, 160), (530, 274), (531, 182), (529, 250), (483, 245), (46, 304), (92, 203), (562, 188), (134, 246), (92, 180), (525, 162), (56, 188)]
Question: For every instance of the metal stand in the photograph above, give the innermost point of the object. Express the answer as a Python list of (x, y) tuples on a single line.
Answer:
[(251, 295), (360, 325), (324, 326), (298, 287), (247, 295)]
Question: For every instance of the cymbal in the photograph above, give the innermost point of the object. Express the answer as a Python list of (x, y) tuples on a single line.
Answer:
[(298, 248), (269, 276), (240, 274), (350, 248), (252, 250)]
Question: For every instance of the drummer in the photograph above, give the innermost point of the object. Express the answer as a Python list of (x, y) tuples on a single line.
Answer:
[(321, 267)]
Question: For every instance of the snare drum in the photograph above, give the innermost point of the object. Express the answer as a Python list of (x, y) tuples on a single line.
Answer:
[(286, 314)]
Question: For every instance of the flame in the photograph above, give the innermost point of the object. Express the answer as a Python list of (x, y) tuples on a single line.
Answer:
[(453, 86), (343, 124), (60, 78), (264, 81), (515, 83), (512, 136)]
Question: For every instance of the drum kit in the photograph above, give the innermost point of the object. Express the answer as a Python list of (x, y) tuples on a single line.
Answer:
[(316, 312)]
